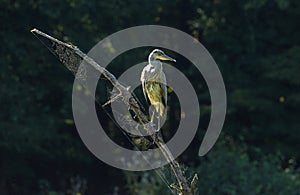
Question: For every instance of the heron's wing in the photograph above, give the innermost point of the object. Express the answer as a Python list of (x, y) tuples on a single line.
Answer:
[(144, 77), (144, 91), (147, 79)]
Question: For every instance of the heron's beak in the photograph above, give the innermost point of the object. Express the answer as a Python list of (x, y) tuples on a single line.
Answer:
[(165, 57)]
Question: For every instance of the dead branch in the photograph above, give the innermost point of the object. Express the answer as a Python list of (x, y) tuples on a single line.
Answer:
[(69, 54)]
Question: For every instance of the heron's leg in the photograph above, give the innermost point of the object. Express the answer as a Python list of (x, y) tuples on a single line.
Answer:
[(158, 123), (158, 118), (152, 143), (152, 117), (158, 128), (152, 114)]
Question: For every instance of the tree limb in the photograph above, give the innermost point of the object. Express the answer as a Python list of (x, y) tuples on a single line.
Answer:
[(71, 56)]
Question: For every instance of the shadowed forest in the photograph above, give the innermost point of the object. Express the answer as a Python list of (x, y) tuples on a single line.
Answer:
[(256, 45)]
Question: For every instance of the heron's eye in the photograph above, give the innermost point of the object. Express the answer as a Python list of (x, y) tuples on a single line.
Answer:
[(157, 55)]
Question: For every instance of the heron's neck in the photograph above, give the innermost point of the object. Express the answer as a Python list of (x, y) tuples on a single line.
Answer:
[(155, 63)]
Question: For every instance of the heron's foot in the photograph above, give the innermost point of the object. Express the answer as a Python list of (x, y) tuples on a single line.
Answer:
[(151, 145)]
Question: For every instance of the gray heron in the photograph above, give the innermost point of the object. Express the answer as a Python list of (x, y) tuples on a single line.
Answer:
[(154, 82)]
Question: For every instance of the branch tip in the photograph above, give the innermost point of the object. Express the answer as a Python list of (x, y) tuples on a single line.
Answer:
[(33, 30)]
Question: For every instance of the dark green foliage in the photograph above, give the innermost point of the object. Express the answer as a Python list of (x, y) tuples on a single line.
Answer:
[(230, 171), (226, 170), (256, 45)]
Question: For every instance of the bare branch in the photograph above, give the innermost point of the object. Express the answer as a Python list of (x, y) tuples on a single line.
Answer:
[(71, 56)]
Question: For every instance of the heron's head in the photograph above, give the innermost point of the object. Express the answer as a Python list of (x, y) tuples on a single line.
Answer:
[(158, 54)]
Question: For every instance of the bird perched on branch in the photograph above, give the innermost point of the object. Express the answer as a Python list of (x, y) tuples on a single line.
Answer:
[(154, 81)]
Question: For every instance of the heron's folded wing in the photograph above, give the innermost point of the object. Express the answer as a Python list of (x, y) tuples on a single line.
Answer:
[(144, 77)]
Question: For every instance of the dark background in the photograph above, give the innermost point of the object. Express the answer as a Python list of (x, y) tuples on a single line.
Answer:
[(255, 43)]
